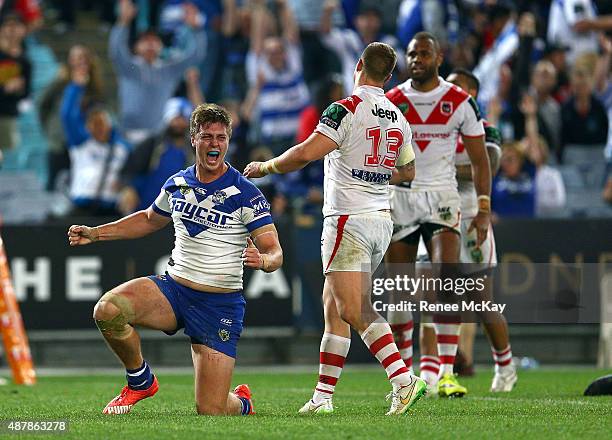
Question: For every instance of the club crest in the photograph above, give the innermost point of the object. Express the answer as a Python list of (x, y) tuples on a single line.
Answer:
[(446, 108), (224, 335), (219, 197)]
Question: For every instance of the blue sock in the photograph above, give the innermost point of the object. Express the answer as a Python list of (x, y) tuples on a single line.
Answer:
[(246, 406), (141, 378)]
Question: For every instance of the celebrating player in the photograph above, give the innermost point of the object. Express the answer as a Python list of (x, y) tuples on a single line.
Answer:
[(215, 212), (429, 206), (479, 259), (366, 145)]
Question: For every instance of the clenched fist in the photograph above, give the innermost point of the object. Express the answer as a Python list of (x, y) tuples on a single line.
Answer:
[(80, 235)]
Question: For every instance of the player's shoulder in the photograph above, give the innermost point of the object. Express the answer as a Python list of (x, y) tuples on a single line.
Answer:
[(400, 90), (460, 98), (492, 134), (350, 103), (181, 178), (246, 187), (340, 110), (453, 92)]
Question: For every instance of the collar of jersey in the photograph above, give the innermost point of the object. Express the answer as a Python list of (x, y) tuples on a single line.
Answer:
[(372, 89), (192, 180), (431, 92)]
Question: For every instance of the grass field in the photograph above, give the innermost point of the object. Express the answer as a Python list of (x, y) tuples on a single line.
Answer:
[(545, 404)]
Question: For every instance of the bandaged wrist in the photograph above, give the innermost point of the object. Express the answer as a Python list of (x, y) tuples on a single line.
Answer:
[(484, 203), (269, 167)]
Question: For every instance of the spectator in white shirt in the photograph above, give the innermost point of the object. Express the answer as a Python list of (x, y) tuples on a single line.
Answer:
[(567, 26), (348, 44)]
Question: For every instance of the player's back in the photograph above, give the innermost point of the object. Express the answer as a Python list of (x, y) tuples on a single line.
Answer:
[(370, 132)]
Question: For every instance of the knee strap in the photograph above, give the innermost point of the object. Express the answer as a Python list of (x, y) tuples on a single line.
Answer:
[(117, 326)]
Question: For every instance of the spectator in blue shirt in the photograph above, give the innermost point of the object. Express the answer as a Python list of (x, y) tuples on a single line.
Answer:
[(513, 193), (97, 154)]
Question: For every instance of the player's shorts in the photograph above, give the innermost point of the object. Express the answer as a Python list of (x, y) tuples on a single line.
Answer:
[(211, 319), (476, 259), (356, 242), (428, 211)]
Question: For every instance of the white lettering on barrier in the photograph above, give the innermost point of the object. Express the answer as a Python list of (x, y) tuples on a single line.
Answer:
[(274, 282), (38, 279), (83, 278)]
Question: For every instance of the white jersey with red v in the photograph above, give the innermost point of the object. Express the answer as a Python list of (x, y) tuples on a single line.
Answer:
[(370, 133), (437, 118)]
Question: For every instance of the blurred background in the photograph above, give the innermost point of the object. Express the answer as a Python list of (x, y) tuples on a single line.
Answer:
[(95, 98)]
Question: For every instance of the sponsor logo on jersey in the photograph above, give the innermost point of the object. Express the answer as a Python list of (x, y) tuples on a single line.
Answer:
[(370, 176), (200, 191), (333, 115), (200, 214), (226, 321), (260, 205), (219, 197), (384, 113), (224, 335)]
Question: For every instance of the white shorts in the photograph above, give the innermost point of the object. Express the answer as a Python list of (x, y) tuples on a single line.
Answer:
[(410, 209), (481, 258), (356, 242)]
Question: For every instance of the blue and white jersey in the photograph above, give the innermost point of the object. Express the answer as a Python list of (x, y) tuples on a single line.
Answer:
[(283, 94), (211, 224)]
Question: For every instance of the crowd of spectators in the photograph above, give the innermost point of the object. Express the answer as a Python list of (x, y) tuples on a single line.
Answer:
[(544, 71)]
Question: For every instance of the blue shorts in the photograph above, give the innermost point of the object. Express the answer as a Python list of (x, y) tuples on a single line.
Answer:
[(211, 319)]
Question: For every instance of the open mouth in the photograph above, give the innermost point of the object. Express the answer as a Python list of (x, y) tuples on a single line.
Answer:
[(212, 157)]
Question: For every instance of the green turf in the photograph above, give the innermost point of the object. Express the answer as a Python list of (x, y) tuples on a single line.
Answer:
[(545, 404)]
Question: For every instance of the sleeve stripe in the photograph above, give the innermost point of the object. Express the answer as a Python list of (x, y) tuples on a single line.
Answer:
[(160, 211), (473, 137), (258, 223)]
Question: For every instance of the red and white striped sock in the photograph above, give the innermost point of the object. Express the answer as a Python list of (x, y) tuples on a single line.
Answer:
[(502, 358), (402, 334), (447, 337), (429, 368), (379, 340), (332, 355)]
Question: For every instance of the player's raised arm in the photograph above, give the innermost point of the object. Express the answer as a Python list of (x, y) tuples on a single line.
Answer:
[(295, 158), (135, 225), (265, 252)]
